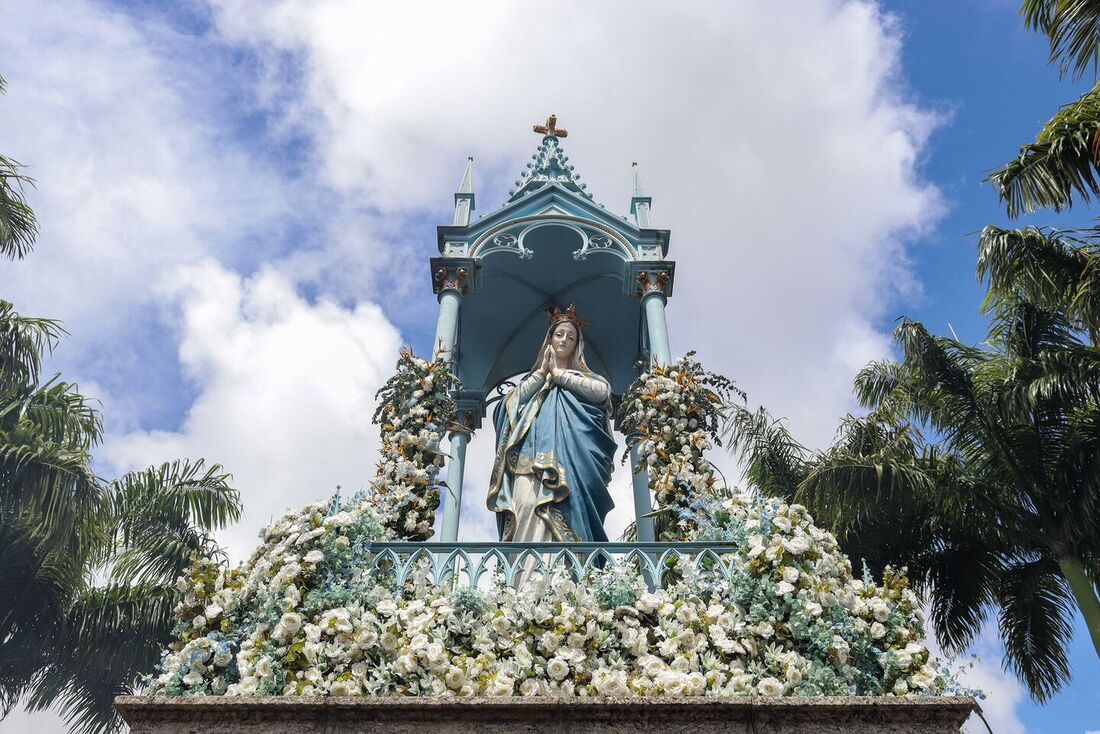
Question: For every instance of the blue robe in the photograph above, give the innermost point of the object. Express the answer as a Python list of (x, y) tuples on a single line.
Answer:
[(561, 438)]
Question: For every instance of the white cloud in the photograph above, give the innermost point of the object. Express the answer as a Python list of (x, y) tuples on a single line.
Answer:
[(137, 172), (982, 670), (284, 391), (776, 139)]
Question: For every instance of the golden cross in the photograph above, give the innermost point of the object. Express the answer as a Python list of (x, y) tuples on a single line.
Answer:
[(550, 128)]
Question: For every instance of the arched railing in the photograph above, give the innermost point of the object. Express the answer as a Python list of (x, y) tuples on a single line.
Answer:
[(475, 563)]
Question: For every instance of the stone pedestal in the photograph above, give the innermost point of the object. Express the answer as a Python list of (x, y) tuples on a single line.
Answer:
[(296, 715)]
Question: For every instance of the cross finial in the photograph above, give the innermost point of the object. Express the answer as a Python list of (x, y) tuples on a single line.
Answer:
[(550, 128)]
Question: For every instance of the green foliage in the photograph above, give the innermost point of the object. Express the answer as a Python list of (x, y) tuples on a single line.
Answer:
[(1058, 270), (18, 226), (1060, 164), (1073, 28), (65, 641)]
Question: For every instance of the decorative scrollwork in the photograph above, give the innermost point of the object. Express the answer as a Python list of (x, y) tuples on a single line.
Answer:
[(594, 243), (511, 242)]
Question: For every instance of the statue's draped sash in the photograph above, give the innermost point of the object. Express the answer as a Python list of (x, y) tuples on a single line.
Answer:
[(564, 442)]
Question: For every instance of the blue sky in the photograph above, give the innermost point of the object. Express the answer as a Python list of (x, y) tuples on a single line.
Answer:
[(239, 199)]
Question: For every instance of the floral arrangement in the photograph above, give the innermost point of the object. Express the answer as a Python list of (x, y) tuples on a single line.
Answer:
[(414, 409), (672, 414), (302, 617), (313, 613)]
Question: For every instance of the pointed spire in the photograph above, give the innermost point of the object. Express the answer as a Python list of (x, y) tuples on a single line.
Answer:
[(549, 164), (464, 197), (640, 203)]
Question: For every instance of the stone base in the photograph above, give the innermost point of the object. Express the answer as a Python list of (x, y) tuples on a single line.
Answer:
[(364, 715)]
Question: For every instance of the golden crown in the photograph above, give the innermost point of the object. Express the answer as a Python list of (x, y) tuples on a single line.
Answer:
[(555, 316)]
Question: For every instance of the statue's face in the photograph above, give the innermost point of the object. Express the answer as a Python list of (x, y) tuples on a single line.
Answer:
[(564, 341)]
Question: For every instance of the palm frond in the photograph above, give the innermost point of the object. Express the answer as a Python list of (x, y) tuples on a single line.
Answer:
[(961, 578), (1061, 164), (160, 515), (1073, 29), (775, 463), (1053, 269), (109, 637), (1036, 610), (23, 341), (18, 225)]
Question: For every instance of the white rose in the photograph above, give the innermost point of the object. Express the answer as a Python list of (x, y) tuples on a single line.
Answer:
[(502, 685), (549, 642), (900, 688), (455, 678), (769, 687), (263, 669), (880, 610), (797, 545), (877, 631), (529, 687), (557, 668), (434, 652), (790, 574), (672, 683), (212, 611), (923, 678), (198, 622)]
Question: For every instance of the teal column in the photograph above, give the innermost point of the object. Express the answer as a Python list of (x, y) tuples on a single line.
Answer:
[(446, 327), (452, 499), (446, 337), (654, 305), (643, 500)]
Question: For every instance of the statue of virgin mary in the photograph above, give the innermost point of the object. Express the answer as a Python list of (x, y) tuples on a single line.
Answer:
[(554, 451)]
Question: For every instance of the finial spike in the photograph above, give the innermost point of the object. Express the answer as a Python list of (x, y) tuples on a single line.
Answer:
[(639, 203), (637, 180), (467, 185), (464, 197)]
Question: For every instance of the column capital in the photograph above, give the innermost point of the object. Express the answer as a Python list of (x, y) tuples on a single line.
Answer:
[(470, 407), (455, 274), (650, 278)]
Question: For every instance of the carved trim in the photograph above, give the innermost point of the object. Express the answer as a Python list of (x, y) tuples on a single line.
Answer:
[(653, 282), (451, 279), (485, 241), (594, 243)]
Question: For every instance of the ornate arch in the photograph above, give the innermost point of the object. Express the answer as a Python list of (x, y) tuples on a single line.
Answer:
[(596, 237)]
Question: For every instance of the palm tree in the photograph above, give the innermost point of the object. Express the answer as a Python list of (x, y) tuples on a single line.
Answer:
[(18, 226), (1000, 512), (87, 567)]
